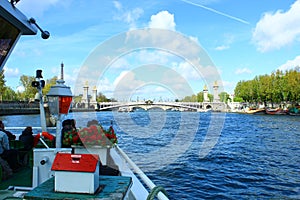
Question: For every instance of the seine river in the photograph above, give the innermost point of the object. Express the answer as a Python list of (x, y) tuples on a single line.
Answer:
[(206, 155)]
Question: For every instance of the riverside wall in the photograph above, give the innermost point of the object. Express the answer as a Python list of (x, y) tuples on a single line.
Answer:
[(19, 108)]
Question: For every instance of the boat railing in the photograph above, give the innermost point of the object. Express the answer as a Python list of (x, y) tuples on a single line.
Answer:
[(141, 174)]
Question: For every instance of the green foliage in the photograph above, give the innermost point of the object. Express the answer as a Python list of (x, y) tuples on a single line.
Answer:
[(2, 84), (192, 98), (2, 80), (210, 97), (277, 87), (48, 84), (102, 98), (9, 95), (200, 97), (29, 91), (224, 96), (238, 99)]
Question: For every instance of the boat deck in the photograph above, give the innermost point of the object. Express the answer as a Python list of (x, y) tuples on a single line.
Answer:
[(111, 187), (22, 178)]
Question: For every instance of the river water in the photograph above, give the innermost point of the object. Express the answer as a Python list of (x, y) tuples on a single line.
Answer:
[(206, 155)]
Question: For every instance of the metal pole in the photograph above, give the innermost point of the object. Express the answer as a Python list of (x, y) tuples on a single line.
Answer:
[(42, 110), (58, 132)]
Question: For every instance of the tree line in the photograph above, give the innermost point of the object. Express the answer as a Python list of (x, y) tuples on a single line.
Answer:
[(278, 87), (28, 92)]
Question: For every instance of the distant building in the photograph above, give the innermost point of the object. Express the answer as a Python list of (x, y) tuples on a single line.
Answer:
[(89, 101), (85, 97), (216, 92), (205, 94)]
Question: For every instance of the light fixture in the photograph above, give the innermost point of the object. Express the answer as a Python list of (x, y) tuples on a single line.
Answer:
[(59, 101), (59, 98)]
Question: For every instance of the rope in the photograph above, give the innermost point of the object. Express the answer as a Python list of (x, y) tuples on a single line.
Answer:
[(155, 191)]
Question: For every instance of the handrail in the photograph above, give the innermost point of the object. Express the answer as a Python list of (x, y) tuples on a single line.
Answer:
[(137, 170), (21, 127), (41, 139)]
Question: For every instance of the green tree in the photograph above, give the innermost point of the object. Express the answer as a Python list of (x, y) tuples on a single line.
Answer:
[(210, 97), (278, 87), (29, 91), (48, 84), (10, 95), (292, 81), (102, 98), (238, 99), (200, 97), (224, 96), (2, 84)]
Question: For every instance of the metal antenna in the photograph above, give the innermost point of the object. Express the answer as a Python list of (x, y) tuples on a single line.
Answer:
[(62, 71)]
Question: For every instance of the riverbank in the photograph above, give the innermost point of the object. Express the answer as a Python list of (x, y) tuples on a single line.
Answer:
[(19, 108), (20, 111)]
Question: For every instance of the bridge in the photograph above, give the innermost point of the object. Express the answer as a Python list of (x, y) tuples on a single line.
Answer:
[(174, 106)]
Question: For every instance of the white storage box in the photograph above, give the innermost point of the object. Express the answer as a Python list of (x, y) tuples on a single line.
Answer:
[(76, 173), (103, 152)]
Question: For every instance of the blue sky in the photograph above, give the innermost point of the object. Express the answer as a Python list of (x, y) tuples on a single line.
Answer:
[(242, 39)]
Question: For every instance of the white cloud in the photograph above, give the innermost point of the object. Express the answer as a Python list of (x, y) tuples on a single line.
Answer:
[(243, 71), (222, 47), (290, 64), (162, 20), (117, 5), (128, 16), (186, 70), (228, 40), (20, 88), (195, 39), (229, 86), (9, 72), (279, 29)]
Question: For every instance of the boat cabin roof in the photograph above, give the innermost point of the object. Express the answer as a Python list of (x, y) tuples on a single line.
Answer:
[(75, 162)]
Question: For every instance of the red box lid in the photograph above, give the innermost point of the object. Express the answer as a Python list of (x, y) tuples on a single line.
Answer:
[(75, 162)]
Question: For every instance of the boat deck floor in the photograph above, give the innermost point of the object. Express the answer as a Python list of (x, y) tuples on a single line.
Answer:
[(22, 178), (111, 187)]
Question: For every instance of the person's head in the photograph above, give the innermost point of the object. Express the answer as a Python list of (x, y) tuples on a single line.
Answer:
[(73, 123), (66, 122), (92, 122), (27, 131)]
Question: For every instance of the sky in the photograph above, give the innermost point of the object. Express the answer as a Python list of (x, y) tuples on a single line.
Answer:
[(158, 50)]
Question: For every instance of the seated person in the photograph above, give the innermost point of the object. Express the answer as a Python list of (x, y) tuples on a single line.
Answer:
[(69, 134), (27, 138), (9, 134), (10, 155), (92, 122)]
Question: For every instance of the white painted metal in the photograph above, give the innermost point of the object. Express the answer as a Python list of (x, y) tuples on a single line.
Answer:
[(137, 191), (101, 151), (42, 163), (140, 173), (76, 182)]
